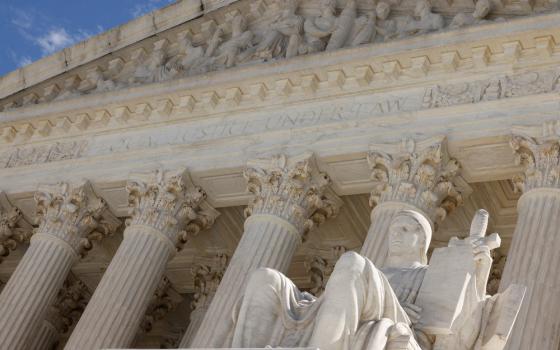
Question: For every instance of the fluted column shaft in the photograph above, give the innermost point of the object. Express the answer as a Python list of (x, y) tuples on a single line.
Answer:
[(68, 215), (533, 261), (290, 195), (267, 242), (45, 338), (163, 203), (375, 246), (115, 311), (32, 288)]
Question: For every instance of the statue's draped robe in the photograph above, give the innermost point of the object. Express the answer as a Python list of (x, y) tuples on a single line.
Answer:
[(358, 298)]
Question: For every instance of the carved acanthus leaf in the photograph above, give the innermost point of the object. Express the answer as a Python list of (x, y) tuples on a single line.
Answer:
[(539, 155), (420, 174), (74, 213), (207, 278), (69, 305), (163, 301), (292, 189), (10, 233), (169, 202)]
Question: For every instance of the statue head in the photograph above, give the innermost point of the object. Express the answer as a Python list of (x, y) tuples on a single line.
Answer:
[(482, 9), (422, 8), (383, 9), (410, 234)]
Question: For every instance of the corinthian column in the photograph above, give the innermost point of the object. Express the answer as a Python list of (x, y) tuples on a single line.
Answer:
[(69, 305), (290, 196), (534, 258), (166, 209), (414, 176), (68, 215)]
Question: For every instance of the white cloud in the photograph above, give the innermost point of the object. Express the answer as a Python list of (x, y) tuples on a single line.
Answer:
[(22, 20), (54, 40)]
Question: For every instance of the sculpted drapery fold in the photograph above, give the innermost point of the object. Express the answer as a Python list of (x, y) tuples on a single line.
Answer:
[(290, 196)]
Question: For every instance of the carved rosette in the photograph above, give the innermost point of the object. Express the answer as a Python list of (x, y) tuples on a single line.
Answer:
[(163, 301), (74, 214), (420, 174), (292, 189), (168, 202), (207, 278), (540, 156), (10, 234), (70, 303)]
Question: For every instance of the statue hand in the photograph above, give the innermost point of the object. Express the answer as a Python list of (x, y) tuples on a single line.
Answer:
[(413, 312), (482, 255)]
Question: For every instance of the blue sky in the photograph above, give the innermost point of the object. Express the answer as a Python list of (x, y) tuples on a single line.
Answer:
[(31, 29)]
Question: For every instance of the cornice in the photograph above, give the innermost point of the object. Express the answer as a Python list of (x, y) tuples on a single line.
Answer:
[(499, 49)]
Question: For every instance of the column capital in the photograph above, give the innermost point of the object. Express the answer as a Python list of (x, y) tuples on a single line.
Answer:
[(207, 277), (291, 188), (418, 173), (11, 232), (73, 214), (537, 149), (70, 302), (165, 299), (170, 203)]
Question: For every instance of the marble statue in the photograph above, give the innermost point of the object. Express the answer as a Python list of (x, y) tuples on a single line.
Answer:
[(318, 29), (189, 60), (150, 71), (481, 10), (363, 30), (425, 20), (234, 50), (390, 28), (284, 35), (96, 82), (405, 305)]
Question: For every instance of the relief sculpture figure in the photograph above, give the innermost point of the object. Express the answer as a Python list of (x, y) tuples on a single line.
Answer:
[(234, 50), (364, 307), (284, 36), (481, 10), (318, 29)]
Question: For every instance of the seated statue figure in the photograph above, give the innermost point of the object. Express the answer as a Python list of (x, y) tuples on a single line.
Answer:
[(364, 307)]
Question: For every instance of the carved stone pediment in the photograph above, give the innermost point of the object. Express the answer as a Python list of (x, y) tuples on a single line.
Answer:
[(248, 32)]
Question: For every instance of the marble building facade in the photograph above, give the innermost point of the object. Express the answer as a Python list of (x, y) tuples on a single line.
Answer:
[(148, 174)]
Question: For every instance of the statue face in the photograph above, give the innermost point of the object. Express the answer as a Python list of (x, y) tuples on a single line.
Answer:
[(406, 237), (383, 9)]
